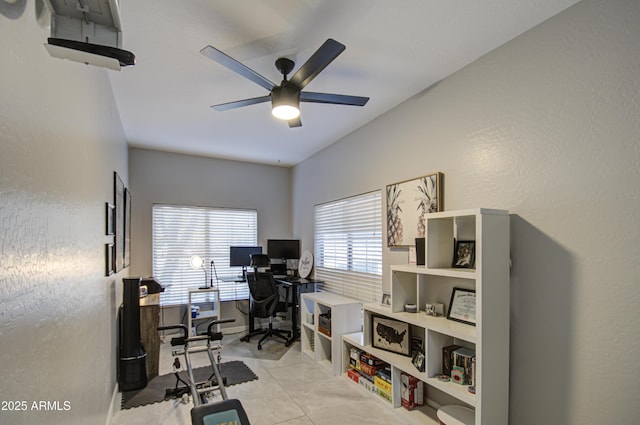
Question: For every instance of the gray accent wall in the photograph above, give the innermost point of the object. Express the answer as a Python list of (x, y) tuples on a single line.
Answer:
[(178, 179), (548, 127)]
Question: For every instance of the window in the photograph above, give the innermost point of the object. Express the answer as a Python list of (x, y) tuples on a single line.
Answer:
[(179, 232), (348, 246)]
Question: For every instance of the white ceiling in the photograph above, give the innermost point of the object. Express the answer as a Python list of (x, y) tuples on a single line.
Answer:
[(395, 49)]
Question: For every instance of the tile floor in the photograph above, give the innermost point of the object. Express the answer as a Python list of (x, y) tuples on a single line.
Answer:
[(292, 391)]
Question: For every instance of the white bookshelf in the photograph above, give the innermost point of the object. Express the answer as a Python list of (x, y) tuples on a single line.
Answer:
[(346, 317), (433, 283)]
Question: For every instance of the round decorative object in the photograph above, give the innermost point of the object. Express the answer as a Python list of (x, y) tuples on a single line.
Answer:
[(443, 378), (305, 264)]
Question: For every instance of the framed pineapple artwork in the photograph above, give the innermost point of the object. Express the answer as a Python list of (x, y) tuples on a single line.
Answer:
[(407, 203)]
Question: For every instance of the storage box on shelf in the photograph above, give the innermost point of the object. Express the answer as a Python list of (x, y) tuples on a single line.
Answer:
[(434, 283), (319, 342)]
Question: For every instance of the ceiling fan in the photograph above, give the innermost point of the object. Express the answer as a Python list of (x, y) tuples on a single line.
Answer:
[(286, 97)]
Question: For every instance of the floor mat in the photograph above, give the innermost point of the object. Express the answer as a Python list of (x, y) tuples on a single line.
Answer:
[(236, 372), (272, 349)]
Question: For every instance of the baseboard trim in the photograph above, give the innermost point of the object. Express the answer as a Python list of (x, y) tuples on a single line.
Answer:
[(113, 407)]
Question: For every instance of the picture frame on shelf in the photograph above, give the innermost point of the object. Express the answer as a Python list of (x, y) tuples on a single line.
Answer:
[(462, 307), (464, 254), (418, 360), (391, 335), (386, 299), (407, 204), (417, 344)]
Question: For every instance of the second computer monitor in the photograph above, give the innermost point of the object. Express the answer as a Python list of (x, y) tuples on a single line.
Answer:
[(240, 256), (288, 249)]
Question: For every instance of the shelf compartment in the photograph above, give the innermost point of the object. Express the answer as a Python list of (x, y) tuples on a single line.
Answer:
[(435, 342), (307, 336), (425, 414), (440, 324)]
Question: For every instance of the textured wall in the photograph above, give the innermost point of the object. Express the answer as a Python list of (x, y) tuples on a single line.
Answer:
[(546, 126), (60, 141)]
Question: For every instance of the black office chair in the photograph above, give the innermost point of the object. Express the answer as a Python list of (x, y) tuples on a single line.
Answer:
[(265, 299), (220, 412)]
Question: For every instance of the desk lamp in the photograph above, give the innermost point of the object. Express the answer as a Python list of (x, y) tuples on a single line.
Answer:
[(197, 263)]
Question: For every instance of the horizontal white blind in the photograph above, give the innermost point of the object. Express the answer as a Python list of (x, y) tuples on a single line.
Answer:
[(348, 246), (179, 232)]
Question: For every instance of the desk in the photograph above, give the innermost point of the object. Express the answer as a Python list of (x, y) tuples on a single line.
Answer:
[(296, 284), (149, 321)]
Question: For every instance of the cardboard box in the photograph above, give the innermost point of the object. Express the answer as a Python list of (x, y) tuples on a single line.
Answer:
[(383, 394), (370, 359), (385, 373), (353, 375), (412, 391), (382, 384), (447, 358), (372, 371), (368, 385), (324, 320), (324, 330), (354, 358)]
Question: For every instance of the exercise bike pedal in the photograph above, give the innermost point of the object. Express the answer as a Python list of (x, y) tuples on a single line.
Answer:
[(177, 341), (176, 392)]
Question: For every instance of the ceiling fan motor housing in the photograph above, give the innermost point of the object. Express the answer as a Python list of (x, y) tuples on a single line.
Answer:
[(287, 97)]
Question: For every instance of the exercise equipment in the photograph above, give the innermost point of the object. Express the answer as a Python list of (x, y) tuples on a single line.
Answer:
[(203, 391)]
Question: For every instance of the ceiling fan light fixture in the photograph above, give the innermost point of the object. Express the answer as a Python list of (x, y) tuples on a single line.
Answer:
[(285, 103)]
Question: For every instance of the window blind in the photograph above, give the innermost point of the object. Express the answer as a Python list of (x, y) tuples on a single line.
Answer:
[(180, 232), (348, 246)]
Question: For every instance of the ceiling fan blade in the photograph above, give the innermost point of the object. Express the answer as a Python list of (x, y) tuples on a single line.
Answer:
[(241, 103), (226, 60), (337, 99), (296, 122), (329, 50)]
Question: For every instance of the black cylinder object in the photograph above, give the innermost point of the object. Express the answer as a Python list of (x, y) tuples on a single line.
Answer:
[(133, 359)]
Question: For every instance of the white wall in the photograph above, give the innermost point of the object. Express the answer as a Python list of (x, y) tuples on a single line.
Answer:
[(546, 126), (170, 178), (60, 141)]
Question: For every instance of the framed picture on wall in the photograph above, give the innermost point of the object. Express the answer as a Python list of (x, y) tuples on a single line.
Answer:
[(108, 219), (118, 201), (407, 204), (108, 259), (127, 228)]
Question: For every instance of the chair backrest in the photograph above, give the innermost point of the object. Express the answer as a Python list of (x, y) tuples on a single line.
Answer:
[(219, 412), (264, 294)]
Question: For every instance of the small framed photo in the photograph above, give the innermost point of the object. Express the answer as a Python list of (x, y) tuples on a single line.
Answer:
[(462, 307), (417, 344), (464, 255), (418, 361), (391, 335), (109, 214), (386, 299), (109, 252)]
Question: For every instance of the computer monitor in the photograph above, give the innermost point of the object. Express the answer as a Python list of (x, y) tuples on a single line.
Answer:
[(288, 249), (240, 256)]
